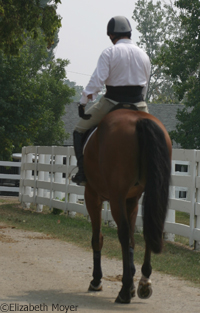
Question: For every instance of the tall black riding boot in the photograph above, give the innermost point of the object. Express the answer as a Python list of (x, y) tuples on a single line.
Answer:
[(79, 178)]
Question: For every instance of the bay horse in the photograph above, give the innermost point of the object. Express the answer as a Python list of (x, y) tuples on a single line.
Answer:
[(128, 154)]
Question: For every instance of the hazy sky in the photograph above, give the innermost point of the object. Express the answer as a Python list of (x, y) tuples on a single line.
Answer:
[(83, 33)]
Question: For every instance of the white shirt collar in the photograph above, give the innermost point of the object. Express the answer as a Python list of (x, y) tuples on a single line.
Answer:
[(124, 40)]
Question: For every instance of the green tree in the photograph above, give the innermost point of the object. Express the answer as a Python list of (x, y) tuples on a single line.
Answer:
[(156, 23), (32, 99), (181, 58), (78, 90), (21, 19)]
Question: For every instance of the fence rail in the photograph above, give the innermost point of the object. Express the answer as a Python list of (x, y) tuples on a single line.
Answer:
[(46, 180)]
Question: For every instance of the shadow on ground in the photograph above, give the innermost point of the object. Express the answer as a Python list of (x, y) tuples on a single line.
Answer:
[(55, 301)]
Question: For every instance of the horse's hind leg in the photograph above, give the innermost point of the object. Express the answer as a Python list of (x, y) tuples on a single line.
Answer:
[(94, 206), (118, 209), (132, 209), (144, 288)]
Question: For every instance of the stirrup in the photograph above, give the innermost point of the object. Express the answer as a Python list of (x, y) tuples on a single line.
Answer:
[(79, 179)]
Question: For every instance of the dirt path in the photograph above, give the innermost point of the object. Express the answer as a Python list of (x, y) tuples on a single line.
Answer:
[(38, 270)]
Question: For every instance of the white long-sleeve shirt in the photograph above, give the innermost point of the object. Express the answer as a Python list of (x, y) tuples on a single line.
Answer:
[(123, 64)]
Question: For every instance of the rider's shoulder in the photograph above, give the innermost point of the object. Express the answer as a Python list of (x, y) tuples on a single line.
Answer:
[(107, 50)]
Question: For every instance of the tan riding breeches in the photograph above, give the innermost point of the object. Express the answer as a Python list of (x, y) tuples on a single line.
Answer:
[(99, 110)]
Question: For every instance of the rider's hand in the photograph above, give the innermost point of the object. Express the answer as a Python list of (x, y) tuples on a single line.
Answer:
[(89, 97), (81, 111)]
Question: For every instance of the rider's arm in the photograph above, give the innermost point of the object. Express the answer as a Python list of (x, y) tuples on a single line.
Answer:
[(97, 79), (147, 66)]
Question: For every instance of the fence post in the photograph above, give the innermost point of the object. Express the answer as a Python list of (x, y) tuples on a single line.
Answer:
[(171, 213), (170, 217), (197, 243), (67, 178), (72, 197), (40, 191), (111, 223), (22, 175), (192, 195), (47, 159), (58, 176), (28, 175)]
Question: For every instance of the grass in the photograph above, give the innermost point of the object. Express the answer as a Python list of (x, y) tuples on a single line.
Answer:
[(3, 201), (183, 218), (176, 259)]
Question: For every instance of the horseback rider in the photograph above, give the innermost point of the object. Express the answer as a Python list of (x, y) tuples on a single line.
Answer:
[(125, 70)]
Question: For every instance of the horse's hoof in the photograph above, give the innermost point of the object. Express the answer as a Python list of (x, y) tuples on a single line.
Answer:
[(144, 291), (120, 300), (95, 288)]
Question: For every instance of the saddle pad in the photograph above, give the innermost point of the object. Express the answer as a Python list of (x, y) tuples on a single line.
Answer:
[(88, 139)]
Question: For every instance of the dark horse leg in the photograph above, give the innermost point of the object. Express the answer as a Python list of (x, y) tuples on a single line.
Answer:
[(94, 207), (132, 209), (144, 288), (118, 209)]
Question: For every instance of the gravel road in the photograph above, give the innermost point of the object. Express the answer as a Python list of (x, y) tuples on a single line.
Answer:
[(38, 273)]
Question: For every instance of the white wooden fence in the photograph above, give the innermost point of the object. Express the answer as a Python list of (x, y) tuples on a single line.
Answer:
[(45, 180), (10, 182)]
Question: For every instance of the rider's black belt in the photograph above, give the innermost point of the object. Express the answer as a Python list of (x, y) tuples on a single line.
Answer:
[(130, 94)]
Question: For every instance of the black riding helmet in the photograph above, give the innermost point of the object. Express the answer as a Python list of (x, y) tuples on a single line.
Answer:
[(118, 25)]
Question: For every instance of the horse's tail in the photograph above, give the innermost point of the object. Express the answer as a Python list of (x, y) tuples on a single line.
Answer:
[(157, 164)]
